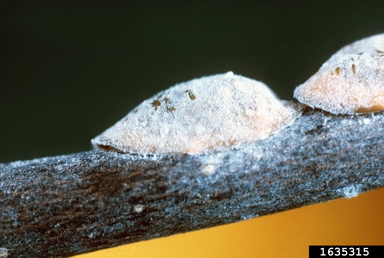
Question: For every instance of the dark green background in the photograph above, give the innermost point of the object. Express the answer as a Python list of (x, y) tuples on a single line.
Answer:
[(70, 69)]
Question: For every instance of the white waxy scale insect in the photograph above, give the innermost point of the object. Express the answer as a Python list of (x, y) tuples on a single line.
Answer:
[(351, 81), (201, 115)]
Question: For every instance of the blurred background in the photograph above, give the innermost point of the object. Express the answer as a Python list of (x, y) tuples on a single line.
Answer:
[(71, 69)]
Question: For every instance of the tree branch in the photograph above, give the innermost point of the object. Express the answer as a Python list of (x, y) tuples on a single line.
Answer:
[(77, 203)]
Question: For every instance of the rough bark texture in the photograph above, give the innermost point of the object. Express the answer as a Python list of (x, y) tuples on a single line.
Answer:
[(77, 203)]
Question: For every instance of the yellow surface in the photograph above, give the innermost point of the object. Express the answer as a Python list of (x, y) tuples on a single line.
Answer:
[(355, 221)]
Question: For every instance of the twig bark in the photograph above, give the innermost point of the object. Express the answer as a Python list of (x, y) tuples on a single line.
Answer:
[(77, 203)]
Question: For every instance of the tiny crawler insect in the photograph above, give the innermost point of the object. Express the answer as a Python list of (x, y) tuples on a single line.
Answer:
[(351, 81), (201, 115)]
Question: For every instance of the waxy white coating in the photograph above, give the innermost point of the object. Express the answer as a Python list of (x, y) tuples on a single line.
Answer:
[(351, 81), (201, 115)]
